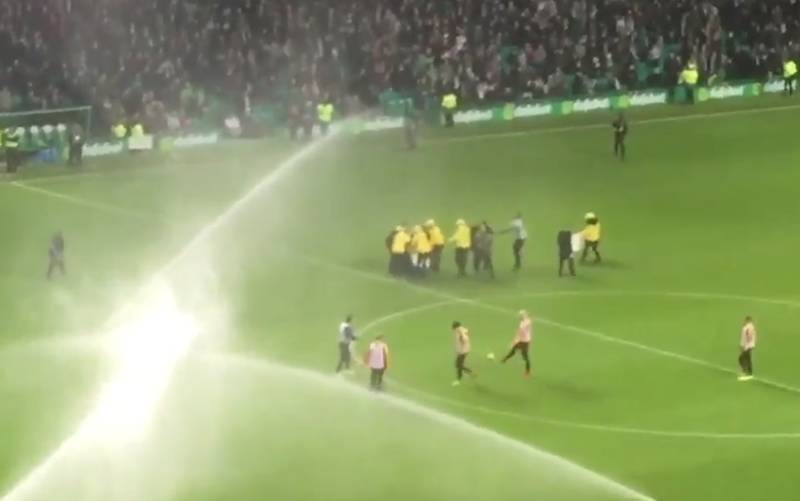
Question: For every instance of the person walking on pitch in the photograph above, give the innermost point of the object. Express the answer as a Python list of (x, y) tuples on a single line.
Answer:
[(463, 240), (56, 255), (564, 242), (462, 350), (420, 248), (436, 238), (747, 344), (522, 341), (377, 359), (520, 236), (620, 126), (347, 337)]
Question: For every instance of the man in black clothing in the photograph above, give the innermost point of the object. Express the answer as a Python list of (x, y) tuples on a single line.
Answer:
[(76, 141), (56, 255), (564, 241), (410, 125), (620, 126)]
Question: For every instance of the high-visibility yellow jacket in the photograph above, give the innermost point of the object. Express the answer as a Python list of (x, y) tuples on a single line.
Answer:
[(462, 236), (690, 75), (400, 242), (119, 131), (591, 233), (137, 130), (436, 236), (789, 69), (420, 242), (325, 112), (449, 102)]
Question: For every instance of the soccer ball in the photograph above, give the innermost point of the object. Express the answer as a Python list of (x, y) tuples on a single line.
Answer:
[(490, 356)]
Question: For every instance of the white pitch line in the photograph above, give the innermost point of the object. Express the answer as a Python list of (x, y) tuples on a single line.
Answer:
[(572, 128), (565, 327), (435, 415), (604, 428), (559, 422), (83, 202), (404, 313)]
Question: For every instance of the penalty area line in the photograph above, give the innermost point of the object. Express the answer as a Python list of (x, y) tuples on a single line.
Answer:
[(546, 321), (82, 202), (559, 422)]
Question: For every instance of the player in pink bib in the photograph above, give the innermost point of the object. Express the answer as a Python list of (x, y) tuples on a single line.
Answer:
[(522, 341)]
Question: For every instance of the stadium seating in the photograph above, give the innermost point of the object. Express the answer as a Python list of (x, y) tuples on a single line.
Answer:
[(128, 57)]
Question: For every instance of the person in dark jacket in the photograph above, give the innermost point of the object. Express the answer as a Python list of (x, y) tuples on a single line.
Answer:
[(564, 241), (482, 242), (56, 255)]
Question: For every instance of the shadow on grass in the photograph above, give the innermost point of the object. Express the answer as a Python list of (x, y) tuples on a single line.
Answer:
[(610, 264), (570, 390)]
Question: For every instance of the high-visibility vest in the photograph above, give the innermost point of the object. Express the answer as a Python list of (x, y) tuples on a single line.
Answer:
[(10, 139), (449, 101), (137, 130), (325, 112), (690, 75), (789, 69), (120, 131)]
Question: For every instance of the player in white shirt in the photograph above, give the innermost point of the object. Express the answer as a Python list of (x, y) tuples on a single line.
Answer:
[(517, 227), (747, 343), (347, 336)]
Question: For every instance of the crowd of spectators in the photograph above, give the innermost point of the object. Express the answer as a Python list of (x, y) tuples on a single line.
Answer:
[(144, 56)]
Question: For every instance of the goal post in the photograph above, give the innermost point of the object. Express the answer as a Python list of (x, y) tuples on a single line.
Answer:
[(39, 128)]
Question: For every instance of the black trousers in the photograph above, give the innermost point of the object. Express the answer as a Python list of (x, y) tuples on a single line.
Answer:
[(56, 263), (593, 247), (570, 264), (461, 368), (788, 84), (448, 119), (376, 378), (619, 146), (519, 243), (478, 258), (482, 261), (411, 136), (76, 153), (436, 257), (462, 254), (344, 356), (324, 127), (522, 348), (746, 361), (398, 264), (12, 159)]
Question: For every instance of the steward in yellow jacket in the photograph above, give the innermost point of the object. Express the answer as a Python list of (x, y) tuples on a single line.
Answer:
[(399, 241), (463, 241), (591, 237), (420, 250), (436, 238)]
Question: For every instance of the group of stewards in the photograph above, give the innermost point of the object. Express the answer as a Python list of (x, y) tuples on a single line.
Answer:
[(416, 252)]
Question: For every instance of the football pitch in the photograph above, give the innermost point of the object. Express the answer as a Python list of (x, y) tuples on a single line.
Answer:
[(189, 351)]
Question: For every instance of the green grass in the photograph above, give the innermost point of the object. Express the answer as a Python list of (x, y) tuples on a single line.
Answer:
[(635, 359)]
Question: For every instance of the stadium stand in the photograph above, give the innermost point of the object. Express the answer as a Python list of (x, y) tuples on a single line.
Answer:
[(141, 57)]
